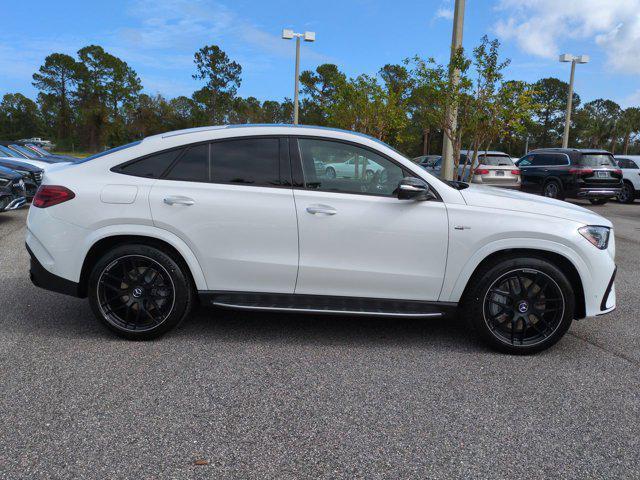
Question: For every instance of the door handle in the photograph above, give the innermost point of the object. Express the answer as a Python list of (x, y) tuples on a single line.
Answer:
[(177, 200), (321, 210)]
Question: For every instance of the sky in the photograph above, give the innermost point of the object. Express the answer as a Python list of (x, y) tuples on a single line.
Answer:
[(159, 37)]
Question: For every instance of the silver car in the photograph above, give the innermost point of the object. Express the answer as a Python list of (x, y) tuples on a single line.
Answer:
[(496, 169)]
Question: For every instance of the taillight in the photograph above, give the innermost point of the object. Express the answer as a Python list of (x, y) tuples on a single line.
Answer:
[(482, 171), (581, 171), (617, 171), (515, 172), (49, 195)]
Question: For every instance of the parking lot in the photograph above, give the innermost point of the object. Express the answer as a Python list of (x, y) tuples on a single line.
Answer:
[(288, 396)]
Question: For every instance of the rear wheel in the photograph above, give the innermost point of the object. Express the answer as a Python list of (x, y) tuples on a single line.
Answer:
[(627, 194), (330, 173), (520, 305), (598, 201), (139, 292), (553, 189)]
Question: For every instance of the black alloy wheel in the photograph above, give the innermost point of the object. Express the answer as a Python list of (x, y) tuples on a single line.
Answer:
[(330, 173), (627, 193), (523, 307), (139, 291), (135, 293), (552, 190)]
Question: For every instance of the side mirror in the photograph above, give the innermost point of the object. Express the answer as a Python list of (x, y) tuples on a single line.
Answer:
[(411, 188)]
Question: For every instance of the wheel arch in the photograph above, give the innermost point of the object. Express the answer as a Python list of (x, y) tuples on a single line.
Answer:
[(561, 261), (181, 253)]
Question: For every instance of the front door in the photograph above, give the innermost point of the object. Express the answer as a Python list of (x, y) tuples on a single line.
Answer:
[(357, 239), (229, 202)]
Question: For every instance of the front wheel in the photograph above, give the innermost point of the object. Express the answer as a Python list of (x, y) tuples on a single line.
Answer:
[(520, 305), (139, 292)]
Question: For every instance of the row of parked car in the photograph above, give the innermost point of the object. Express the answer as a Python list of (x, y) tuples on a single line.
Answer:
[(22, 167), (560, 173)]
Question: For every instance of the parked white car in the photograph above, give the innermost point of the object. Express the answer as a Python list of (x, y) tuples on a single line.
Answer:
[(630, 166), (353, 167), (237, 217)]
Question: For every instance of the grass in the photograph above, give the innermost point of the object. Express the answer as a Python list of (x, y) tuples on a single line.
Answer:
[(74, 154)]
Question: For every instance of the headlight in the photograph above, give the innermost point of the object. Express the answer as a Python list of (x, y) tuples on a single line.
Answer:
[(598, 236)]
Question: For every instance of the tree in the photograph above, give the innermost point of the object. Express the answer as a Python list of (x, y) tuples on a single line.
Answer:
[(629, 125), (319, 91), (56, 79), (550, 108), (222, 77), (596, 123), (19, 117)]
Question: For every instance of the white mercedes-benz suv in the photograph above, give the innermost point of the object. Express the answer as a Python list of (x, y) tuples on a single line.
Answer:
[(239, 217)]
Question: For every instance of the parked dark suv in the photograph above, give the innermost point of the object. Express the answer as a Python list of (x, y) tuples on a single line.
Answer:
[(571, 173), (12, 193), (32, 176)]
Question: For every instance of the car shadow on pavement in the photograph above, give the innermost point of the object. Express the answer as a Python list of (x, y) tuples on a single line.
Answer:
[(45, 313)]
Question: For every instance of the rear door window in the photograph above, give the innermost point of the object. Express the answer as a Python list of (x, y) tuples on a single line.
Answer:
[(248, 161), (627, 164), (192, 166)]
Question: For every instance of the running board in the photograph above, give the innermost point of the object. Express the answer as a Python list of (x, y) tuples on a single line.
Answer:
[(331, 305)]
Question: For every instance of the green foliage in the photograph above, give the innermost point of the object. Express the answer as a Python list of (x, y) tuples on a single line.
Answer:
[(19, 117)]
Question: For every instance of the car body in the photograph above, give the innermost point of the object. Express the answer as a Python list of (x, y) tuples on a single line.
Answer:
[(630, 166), (31, 175), (350, 167), (493, 168), (29, 154), (40, 162), (571, 173), (12, 192), (41, 152), (238, 217)]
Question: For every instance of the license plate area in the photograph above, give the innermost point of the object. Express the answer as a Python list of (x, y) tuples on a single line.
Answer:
[(601, 174), (499, 173)]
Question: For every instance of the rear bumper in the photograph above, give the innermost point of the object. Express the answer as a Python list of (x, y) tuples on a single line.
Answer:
[(42, 278), (597, 192)]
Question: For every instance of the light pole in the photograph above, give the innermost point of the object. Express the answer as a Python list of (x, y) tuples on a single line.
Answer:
[(567, 57), (452, 110), (288, 34)]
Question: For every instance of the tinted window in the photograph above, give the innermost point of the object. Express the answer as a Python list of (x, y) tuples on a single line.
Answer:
[(153, 166), (597, 160), (547, 159), (525, 161), (627, 163), (347, 168), (495, 160), (193, 165), (250, 161)]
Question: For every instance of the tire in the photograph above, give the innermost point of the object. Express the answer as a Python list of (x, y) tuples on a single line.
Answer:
[(519, 316), (553, 189), (627, 194), (140, 292), (598, 201), (330, 173)]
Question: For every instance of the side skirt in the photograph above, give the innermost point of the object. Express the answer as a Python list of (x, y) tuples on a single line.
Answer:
[(332, 305)]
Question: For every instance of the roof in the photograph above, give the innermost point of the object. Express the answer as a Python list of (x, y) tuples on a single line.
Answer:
[(566, 150), (484, 152)]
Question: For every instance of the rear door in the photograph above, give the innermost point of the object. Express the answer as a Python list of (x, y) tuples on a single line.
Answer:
[(357, 239), (231, 201)]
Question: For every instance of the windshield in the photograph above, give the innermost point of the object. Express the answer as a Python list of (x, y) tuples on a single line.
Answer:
[(108, 152), (23, 150), (597, 160), (495, 160)]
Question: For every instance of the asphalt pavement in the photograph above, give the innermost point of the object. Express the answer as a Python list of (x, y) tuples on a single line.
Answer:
[(289, 396)]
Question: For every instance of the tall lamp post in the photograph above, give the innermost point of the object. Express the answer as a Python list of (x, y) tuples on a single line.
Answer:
[(288, 34), (567, 57)]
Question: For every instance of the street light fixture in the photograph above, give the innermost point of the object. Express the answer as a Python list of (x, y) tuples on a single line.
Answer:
[(565, 58), (288, 34)]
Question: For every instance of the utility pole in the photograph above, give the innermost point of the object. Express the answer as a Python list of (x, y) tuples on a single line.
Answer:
[(452, 110), (566, 57)]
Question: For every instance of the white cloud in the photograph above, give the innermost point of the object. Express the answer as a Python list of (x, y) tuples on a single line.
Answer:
[(542, 27), (444, 12)]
